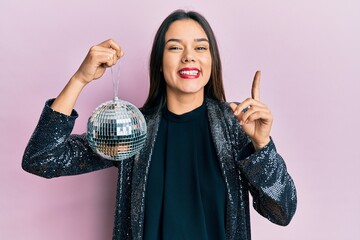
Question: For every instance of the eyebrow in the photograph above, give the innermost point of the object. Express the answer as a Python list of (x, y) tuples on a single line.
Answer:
[(179, 40)]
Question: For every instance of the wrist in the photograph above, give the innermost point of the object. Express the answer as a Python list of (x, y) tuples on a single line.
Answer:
[(79, 80), (260, 145)]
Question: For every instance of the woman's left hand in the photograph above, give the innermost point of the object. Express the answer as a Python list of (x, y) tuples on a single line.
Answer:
[(254, 116)]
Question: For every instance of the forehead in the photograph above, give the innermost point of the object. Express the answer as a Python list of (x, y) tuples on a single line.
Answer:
[(185, 29)]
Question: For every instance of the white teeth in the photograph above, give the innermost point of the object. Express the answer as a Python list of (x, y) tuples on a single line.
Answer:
[(192, 72)]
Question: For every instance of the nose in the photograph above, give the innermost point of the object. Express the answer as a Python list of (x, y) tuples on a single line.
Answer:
[(188, 57)]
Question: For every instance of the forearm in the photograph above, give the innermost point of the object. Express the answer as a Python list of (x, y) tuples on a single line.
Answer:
[(65, 101), (93, 67), (272, 188)]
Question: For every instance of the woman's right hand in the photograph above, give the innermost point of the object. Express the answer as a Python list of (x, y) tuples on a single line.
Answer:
[(99, 58), (94, 65)]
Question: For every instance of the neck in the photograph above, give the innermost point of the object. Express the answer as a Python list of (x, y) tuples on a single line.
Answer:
[(184, 103)]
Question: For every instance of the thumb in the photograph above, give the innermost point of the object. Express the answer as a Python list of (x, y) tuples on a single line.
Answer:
[(233, 106)]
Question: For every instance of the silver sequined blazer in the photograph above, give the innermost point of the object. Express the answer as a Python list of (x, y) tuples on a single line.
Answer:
[(53, 151)]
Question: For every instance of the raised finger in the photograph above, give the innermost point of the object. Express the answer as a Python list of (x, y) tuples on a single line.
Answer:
[(255, 89)]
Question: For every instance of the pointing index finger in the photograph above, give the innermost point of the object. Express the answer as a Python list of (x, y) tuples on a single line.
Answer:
[(255, 89)]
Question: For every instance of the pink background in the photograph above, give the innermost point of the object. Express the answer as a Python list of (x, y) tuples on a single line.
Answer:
[(309, 54)]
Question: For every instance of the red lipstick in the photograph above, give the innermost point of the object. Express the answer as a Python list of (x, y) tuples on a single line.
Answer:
[(189, 73)]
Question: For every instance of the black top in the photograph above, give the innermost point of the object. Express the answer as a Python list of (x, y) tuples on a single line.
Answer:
[(185, 194)]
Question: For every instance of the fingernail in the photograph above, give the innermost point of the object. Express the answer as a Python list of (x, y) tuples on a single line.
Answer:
[(236, 112), (241, 122), (245, 109)]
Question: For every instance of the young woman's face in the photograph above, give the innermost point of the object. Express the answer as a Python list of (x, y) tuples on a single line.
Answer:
[(187, 59)]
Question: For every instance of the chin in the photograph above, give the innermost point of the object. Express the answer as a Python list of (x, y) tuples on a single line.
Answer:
[(193, 91), (192, 88)]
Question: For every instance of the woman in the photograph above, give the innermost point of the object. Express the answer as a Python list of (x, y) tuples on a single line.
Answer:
[(202, 155)]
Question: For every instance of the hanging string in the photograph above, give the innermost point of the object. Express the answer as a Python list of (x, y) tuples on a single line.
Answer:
[(115, 80)]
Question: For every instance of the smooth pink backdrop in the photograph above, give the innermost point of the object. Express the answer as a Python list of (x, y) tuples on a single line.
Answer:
[(309, 54)]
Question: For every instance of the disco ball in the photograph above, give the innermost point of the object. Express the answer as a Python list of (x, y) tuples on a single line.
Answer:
[(116, 130)]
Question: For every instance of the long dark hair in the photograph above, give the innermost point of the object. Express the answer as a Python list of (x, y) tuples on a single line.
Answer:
[(214, 89)]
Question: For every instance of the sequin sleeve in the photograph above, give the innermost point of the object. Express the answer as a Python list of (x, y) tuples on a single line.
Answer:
[(53, 151), (265, 173), (272, 188)]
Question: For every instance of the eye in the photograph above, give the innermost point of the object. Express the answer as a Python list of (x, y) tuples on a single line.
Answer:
[(201, 48), (175, 48)]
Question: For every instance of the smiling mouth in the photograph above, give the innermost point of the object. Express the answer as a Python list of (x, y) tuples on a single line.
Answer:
[(191, 72)]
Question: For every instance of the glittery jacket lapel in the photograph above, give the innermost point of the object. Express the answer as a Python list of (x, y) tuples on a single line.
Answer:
[(139, 178)]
